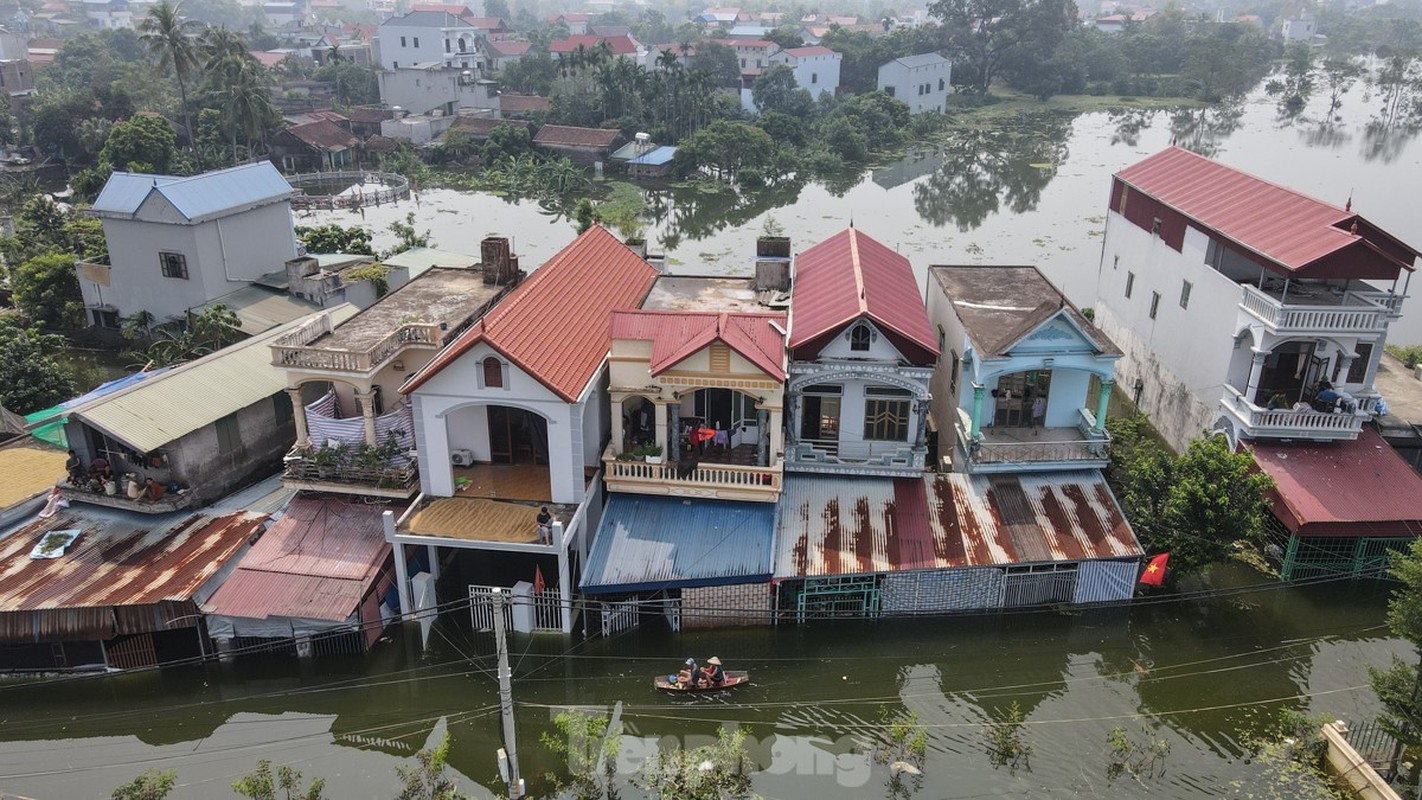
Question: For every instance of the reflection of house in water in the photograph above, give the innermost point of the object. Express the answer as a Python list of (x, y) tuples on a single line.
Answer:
[(914, 165)]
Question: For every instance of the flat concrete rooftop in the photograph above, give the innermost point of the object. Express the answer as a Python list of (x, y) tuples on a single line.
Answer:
[(440, 295), (697, 293)]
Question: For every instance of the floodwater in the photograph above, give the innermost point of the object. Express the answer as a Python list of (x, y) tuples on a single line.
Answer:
[(1034, 193), (1205, 676)]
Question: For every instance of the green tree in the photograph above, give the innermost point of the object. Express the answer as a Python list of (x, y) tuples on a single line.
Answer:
[(47, 291), (785, 36), (170, 39), (723, 149), (284, 785), (1339, 75), (30, 377), (407, 237), (55, 118), (720, 771), (141, 143), (984, 35), (1295, 83), (720, 64), (428, 779), (151, 785), (201, 333), (776, 90), (334, 238), (581, 743), (1399, 687), (506, 141)]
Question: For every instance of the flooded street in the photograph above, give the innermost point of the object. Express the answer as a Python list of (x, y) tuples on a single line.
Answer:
[(1205, 675)]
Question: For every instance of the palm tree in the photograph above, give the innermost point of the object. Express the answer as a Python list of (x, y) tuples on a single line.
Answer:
[(170, 40), (247, 101)]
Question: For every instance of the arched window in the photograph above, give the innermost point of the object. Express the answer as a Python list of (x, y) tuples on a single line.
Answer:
[(493, 373), (859, 337)]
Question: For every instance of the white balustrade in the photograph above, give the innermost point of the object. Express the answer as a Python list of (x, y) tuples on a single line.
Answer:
[(1284, 423), (1361, 312)]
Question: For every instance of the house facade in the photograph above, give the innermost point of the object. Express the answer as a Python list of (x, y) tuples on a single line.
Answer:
[(428, 37), (1248, 310), (923, 82), (1014, 346), (816, 68), (579, 145), (861, 358), (178, 243), (435, 89), (317, 146)]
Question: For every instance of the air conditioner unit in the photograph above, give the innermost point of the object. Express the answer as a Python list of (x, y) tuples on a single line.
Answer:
[(461, 458)]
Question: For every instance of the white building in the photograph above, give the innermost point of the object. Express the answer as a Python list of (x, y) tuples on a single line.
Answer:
[(923, 81), (1234, 300), (432, 88), (108, 14), (1302, 29), (423, 37), (816, 68), (178, 243)]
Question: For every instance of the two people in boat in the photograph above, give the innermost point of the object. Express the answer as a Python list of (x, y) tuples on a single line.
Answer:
[(709, 675)]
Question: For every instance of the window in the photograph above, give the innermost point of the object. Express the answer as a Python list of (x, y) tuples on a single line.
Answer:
[(889, 90), (720, 357), (1154, 303), (1358, 370), (953, 376), (106, 319), (814, 77), (417, 42), (402, 41), (446, 45), (1185, 294), (395, 65), (860, 337), (886, 414), (175, 265), (493, 373), (743, 63), (1155, 227), (463, 45), (1130, 283), (229, 439), (941, 84)]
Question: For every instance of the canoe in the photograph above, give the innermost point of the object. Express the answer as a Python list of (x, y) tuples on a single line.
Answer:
[(734, 678)]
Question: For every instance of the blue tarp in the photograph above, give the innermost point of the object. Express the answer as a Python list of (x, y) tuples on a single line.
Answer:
[(648, 543)]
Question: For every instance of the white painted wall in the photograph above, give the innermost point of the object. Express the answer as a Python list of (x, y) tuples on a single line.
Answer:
[(907, 84), (393, 52), (816, 73), (422, 91), (459, 386)]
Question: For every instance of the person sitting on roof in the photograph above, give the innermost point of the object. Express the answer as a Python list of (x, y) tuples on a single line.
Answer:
[(713, 671), (75, 468), (153, 490)]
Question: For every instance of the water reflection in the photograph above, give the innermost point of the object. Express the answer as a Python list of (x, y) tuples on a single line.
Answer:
[(697, 210), (984, 171), (1382, 142), (1203, 130), (1326, 134), (1129, 123)]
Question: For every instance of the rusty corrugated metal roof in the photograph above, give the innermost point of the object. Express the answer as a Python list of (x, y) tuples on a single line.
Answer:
[(316, 562), (849, 526), (1344, 488), (851, 275)]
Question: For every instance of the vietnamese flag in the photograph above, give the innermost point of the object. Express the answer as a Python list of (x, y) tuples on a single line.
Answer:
[(1154, 573), (538, 584)]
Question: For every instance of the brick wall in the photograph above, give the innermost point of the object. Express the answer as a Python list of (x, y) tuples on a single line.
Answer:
[(725, 606)]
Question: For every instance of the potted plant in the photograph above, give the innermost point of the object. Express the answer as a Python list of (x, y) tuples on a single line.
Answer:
[(652, 452)]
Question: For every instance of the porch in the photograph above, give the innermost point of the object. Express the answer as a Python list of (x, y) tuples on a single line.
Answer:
[(717, 475), (176, 501), (1251, 421), (1002, 448), (1291, 307)]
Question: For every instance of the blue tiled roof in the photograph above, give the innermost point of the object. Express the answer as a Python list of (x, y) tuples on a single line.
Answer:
[(198, 197), (655, 158), (646, 543)]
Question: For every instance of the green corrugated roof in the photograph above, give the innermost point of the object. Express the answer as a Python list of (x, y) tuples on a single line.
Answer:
[(165, 408)]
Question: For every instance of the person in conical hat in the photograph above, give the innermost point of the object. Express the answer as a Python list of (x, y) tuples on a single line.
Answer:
[(714, 672)]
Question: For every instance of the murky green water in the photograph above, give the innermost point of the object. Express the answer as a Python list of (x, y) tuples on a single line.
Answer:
[(1203, 675)]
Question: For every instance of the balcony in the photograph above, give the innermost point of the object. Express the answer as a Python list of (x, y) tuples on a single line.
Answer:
[(1253, 422), (296, 350), (1018, 449), (355, 470), (704, 479), (1321, 310)]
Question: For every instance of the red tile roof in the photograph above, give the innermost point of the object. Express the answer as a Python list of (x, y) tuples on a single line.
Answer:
[(677, 335), (1283, 226), (518, 103), (316, 562), (568, 136), (483, 126), (755, 43), (509, 47), (268, 59), (323, 135), (618, 45), (805, 52), (370, 115), (851, 275), (486, 23), (554, 326), (1357, 488)]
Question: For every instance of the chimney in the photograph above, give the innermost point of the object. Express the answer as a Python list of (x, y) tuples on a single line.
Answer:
[(500, 265), (772, 263)]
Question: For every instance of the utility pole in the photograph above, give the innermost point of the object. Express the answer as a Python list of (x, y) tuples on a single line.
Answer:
[(509, 755)]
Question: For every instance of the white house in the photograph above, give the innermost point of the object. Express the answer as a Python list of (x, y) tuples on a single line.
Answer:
[(108, 14), (1302, 29), (816, 68), (178, 243), (423, 37), (506, 394), (433, 88), (923, 81)]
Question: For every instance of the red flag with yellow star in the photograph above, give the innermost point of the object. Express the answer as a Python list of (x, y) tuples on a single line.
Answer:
[(1154, 574)]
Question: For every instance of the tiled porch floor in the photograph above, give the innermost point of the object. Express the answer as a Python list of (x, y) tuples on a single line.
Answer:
[(1003, 434), (505, 482)]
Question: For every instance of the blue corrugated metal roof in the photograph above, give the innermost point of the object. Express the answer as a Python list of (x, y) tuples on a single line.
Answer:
[(655, 158), (668, 543), (197, 197)]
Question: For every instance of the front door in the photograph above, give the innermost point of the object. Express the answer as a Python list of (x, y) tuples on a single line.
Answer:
[(517, 436)]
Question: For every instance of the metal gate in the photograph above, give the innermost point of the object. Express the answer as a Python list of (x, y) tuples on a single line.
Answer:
[(547, 611), (481, 609), (853, 597), (1040, 584), (619, 616)]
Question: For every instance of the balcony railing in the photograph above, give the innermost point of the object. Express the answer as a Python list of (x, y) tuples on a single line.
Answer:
[(310, 468), (1061, 448), (1359, 312), (295, 351), (1263, 423), (723, 481)]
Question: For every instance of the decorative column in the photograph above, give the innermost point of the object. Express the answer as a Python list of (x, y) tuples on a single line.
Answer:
[(673, 442), (659, 433), (1256, 368), (298, 415), (792, 419), (617, 432), (762, 443), (979, 393), (776, 442), (920, 439), (1345, 363), (1103, 402), (367, 412)]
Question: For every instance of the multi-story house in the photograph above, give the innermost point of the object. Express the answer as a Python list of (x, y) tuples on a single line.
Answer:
[(435, 90), (1024, 380), (861, 357), (1250, 310), (428, 37), (923, 82), (816, 68), (178, 243), (753, 55)]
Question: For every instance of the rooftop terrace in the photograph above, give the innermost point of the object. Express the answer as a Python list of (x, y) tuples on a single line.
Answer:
[(441, 296), (696, 293)]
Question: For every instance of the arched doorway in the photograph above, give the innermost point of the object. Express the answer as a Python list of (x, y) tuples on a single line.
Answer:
[(499, 451), (721, 426)]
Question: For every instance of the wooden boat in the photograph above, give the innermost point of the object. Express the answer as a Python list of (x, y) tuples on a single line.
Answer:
[(734, 678)]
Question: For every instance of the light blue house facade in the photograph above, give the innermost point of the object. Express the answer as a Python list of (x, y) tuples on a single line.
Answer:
[(1024, 379)]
